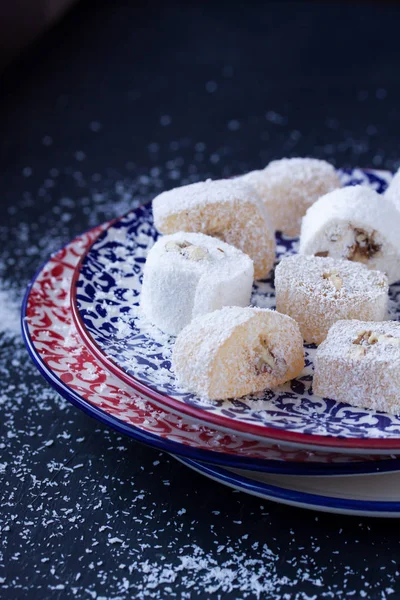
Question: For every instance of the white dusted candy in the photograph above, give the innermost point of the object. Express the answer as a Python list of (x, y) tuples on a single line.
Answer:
[(289, 186), (236, 351), (317, 292), (227, 209), (393, 190), (190, 274), (359, 363), (355, 223)]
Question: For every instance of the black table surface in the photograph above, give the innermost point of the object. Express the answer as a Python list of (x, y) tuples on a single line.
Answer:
[(118, 102)]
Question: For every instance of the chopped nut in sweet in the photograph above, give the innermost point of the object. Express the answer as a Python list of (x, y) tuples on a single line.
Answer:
[(187, 250), (267, 362), (195, 252), (174, 246), (333, 277), (364, 337), (364, 247), (369, 338)]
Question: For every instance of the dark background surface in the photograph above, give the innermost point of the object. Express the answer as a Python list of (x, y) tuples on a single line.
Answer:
[(115, 103)]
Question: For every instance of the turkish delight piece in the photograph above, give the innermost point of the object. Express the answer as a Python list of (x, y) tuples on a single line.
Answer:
[(236, 351), (317, 292), (289, 186), (359, 363), (190, 274)]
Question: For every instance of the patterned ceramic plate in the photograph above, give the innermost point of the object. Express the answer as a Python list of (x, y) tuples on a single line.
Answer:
[(105, 304), (368, 495), (60, 355)]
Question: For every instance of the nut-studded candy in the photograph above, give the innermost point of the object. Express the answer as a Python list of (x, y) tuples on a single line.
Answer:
[(359, 363), (317, 292), (189, 274), (227, 209), (236, 351), (289, 186), (355, 223)]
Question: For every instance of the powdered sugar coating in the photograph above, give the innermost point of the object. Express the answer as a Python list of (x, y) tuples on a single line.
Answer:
[(393, 190), (204, 275), (221, 355), (202, 193), (289, 186), (228, 209), (359, 363), (331, 226), (317, 292)]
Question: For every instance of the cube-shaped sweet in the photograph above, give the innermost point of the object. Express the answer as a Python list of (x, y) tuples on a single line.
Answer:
[(355, 223), (317, 292), (236, 351), (289, 186), (190, 274), (359, 363), (227, 209)]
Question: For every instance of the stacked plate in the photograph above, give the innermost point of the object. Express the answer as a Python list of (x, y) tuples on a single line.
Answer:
[(84, 331)]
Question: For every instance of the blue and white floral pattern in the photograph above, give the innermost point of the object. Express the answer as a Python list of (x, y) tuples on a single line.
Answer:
[(107, 299)]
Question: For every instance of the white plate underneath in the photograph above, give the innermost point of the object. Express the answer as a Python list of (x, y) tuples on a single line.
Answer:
[(376, 495)]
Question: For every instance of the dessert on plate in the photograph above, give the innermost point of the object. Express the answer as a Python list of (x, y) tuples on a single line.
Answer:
[(289, 186), (190, 274), (237, 351), (317, 292), (359, 363)]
